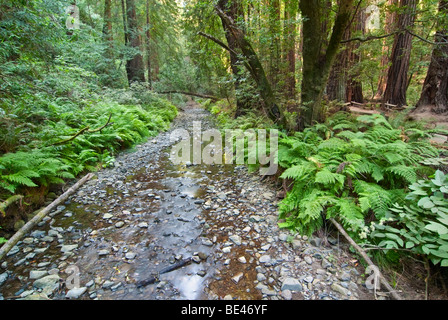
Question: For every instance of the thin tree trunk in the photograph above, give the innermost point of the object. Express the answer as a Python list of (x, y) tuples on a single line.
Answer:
[(148, 44), (397, 77), (290, 47), (435, 87)]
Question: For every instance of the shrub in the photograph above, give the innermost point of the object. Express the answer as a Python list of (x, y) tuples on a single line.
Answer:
[(420, 225)]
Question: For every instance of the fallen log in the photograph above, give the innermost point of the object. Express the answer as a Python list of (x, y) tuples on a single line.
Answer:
[(155, 278), (39, 216), (366, 258), (199, 95)]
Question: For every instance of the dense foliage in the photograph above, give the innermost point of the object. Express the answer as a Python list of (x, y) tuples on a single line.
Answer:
[(59, 114)]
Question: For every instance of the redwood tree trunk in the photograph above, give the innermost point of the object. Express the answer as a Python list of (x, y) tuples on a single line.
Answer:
[(389, 26), (135, 66), (397, 77), (435, 87), (107, 27)]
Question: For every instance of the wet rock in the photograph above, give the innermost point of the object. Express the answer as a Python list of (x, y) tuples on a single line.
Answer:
[(236, 239), (13, 251), (265, 259), (130, 255), (75, 293), (68, 248), (143, 225), (48, 283), (37, 274), (291, 284), (103, 252), (107, 284), (3, 278), (207, 242), (119, 224)]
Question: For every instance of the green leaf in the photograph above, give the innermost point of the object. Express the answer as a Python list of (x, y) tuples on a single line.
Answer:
[(437, 227), (393, 236), (409, 244), (440, 253), (425, 203), (439, 178)]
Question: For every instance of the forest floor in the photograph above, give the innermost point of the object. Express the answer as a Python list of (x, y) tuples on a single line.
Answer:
[(146, 213)]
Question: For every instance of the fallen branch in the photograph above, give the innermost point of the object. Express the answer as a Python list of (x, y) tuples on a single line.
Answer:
[(38, 217), (8, 202), (82, 131), (102, 127), (155, 279), (191, 94), (363, 254), (72, 137)]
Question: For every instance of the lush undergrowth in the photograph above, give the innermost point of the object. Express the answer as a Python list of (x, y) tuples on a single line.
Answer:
[(380, 178), (60, 124)]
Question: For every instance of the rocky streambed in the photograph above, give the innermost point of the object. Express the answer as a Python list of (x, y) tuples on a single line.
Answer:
[(145, 214)]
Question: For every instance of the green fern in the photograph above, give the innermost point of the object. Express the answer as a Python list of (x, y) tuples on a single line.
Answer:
[(348, 171)]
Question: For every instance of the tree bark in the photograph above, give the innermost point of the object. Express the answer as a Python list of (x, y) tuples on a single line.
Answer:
[(274, 43), (354, 86), (290, 47), (435, 87), (317, 56), (255, 68), (107, 27), (235, 11), (389, 27), (135, 65), (148, 45), (397, 77)]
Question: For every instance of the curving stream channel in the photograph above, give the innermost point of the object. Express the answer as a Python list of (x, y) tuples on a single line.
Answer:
[(145, 214)]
